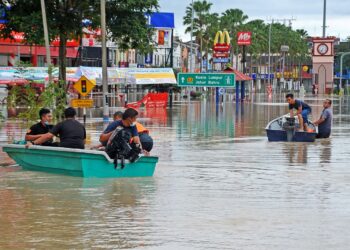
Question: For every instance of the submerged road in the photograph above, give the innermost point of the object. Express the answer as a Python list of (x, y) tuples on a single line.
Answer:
[(219, 184)]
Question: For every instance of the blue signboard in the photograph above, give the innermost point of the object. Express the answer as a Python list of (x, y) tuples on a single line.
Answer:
[(161, 20), (149, 58), (221, 60)]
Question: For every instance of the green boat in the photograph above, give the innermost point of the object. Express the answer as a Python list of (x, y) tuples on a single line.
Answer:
[(78, 162)]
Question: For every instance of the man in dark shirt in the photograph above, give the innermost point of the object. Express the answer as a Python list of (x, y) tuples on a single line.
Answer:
[(41, 128), (325, 122), (128, 122), (71, 132), (303, 110)]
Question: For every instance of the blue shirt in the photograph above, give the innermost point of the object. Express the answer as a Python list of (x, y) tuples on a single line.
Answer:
[(326, 125), (299, 103), (111, 127)]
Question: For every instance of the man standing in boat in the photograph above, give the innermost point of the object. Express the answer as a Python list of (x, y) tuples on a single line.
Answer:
[(72, 133), (41, 128), (324, 123), (303, 110)]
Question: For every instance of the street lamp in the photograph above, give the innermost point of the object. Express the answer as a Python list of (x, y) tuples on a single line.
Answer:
[(104, 62), (191, 43), (46, 36)]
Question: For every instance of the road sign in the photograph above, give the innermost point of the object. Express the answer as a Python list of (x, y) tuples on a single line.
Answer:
[(221, 91), (206, 80), (83, 86), (221, 60), (82, 103)]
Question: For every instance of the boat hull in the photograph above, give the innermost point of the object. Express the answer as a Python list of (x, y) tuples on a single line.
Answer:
[(77, 162), (281, 135), (276, 132)]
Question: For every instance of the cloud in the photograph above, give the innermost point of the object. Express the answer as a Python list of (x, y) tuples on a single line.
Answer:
[(308, 14)]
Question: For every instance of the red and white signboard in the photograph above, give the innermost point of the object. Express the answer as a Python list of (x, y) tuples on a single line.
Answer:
[(244, 38)]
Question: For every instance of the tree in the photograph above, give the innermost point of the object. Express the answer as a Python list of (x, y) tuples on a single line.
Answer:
[(126, 22), (201, 21)]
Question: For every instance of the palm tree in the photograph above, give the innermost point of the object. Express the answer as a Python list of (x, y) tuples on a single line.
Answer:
[(201, 18), (231, 20)]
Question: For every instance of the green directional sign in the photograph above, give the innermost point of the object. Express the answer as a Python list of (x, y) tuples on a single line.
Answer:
[(206, 80)]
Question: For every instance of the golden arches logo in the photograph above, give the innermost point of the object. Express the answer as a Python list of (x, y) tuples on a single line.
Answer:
[(223, 36)]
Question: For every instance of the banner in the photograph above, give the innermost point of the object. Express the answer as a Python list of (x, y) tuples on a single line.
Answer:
[(161, 20)]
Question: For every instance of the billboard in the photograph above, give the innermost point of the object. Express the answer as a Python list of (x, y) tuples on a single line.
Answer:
[(244, 38), (161, 20)]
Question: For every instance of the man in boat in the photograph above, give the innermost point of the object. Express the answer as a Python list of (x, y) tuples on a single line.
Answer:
[(143, 133), (127, 122), (72, 133), (303, 110), (122, 138), (41, 128), (145, 139), (324, 123)]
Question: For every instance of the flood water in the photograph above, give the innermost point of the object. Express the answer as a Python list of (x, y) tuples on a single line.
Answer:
[(219, 184)]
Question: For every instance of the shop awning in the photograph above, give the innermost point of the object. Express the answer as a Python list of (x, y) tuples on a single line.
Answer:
[(143, 76), (239, 75)]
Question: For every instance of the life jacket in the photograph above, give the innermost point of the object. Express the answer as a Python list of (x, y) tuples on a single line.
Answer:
[(141, 129), (119, 147)]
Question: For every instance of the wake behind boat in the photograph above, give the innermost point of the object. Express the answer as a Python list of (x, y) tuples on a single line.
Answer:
[(285, 128), (78, 162)]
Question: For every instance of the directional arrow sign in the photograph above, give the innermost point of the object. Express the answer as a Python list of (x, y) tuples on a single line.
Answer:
[(207, 80)]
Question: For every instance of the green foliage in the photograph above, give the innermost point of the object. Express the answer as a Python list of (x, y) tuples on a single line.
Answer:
[(13, 97), (126, 22), (206, 24), (30, 99)]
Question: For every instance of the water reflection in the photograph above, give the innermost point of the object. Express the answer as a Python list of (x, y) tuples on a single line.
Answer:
[(40, 207), (296, 152), (326, 151)]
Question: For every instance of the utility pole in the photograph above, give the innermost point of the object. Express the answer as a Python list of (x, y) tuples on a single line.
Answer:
[(269, 63), (324, 18), (191, 42), (46, 37), (104, 63)]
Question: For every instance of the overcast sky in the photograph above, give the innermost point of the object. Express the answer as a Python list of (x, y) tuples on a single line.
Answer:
[(308, 14)]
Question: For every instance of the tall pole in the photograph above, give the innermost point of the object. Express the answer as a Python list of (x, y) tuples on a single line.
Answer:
[(191, 42), (269, 66), (104, 62), (324, 18), (46, 37)]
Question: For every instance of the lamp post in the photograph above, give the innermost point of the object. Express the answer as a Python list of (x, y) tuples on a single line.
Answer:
[(269, 63), (104, 63), (46, 37), (191, 42), (324, 18)]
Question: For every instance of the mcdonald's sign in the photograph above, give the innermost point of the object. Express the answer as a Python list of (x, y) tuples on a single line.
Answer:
[(222, 41)]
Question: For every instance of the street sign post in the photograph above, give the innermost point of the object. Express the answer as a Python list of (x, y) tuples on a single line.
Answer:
[(82, 103), (83, 86), (206, 80)]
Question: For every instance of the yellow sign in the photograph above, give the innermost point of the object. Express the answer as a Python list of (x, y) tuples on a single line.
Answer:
[(82, 103), (83, 86), (305, 68), (223, 36)]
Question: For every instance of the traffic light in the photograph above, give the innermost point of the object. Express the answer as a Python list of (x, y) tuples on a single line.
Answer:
[(83, 86)]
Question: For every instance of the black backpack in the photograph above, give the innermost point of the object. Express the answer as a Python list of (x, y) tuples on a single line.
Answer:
[(119, 147)]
